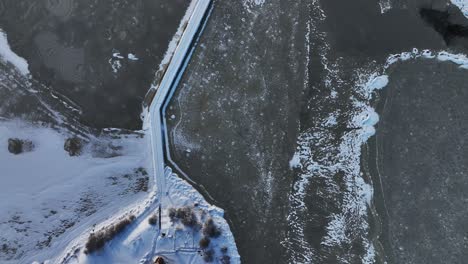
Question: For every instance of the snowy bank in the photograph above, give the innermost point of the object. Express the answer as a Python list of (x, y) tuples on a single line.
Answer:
[(463, 5), (48, 198), (8, 55)]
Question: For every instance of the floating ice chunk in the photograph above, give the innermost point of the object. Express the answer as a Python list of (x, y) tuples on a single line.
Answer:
[(336, 234), (377, 83), (249, 4), (405, 56), (295, 162), (117, 55), (459, 59), (331, 120), (115, 64), (132, 57), (369, 258), (258, 2), (365, 190), (427, 54), (385, 5), (115, 61), (369, 118), (366, 121), (8, 55)]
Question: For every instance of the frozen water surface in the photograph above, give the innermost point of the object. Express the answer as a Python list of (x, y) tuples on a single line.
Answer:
[(327, 131)]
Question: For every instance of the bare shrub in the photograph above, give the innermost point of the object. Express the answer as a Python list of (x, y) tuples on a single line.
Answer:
[(17, 146), (103, 149), (183, 212), (73, 146), (185, 215), (224, 249), (153, 220), (97, 240), (141, 184), (204, 242), (208, 255), (210, 229), (142, 171), (225, 259), (172, 214), (8, 250)]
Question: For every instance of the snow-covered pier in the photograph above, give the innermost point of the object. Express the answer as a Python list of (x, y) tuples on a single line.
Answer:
[(165, 243), (167, 86)]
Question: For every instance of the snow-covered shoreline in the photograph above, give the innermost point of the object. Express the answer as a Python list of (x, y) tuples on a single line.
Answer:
[(143, 241), (8, 55), (54, 197)]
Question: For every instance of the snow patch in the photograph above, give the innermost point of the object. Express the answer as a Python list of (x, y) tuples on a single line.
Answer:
[(295, 162), (132, 57), (254, 2), (462, 5), (115, 64), (445, 56), (459, 59), (8, 55), (385, 5), (330, 121), (117, 55), (377, 83), (250, 4), (336, 231)]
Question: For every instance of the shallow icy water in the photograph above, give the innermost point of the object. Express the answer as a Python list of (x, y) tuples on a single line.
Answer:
[(421, 163)]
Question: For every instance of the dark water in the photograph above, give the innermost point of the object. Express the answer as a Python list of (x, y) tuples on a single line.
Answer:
[(449, 23), (70, 45), (421, 146), (252, 89), (237, 111)]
